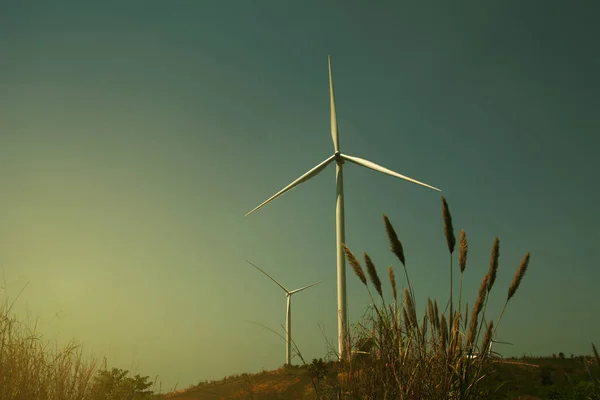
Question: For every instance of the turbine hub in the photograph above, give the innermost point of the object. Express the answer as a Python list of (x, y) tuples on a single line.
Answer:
[(338, 158)]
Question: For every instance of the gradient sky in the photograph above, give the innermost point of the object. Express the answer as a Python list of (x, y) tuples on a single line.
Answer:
[(134, 136)]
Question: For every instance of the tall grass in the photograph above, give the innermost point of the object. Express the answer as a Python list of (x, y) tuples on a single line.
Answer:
[(31, 370), (429, 356)]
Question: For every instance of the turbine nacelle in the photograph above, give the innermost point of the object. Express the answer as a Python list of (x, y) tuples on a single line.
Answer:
[(338, 157)]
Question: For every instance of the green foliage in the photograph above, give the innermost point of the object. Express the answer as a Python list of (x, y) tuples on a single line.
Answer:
[(318, 369), (546, 375), (587, 390), (114, 384)]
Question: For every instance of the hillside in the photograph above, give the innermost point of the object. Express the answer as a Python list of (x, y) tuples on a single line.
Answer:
[(527, 378)]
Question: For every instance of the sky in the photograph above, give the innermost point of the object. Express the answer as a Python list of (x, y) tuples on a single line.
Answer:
[(135, 136)]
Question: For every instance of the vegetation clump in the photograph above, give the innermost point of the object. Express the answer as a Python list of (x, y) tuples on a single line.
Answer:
[(440, 354), (31, 371)]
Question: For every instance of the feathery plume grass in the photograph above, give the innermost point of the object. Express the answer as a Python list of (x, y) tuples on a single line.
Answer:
[(355, 264), (487, 338), (396, 248), (395, 244), (448, 228), (493, 264), (451, 242), (492, 272), (393, 283), (476, 310), (410, 307), (596, 356), (444, 332), (373, 274), (514, 285), (424, 356), (455, 335), (406, 317), (463, 249), (518, 277), (431, 313)]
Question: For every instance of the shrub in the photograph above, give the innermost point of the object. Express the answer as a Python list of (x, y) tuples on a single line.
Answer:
[(115, 384)]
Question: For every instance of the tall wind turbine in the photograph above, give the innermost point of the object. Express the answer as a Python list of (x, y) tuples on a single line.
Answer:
[(339, 159), (288, 315)]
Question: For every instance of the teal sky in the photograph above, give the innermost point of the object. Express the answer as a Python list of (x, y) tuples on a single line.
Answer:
[(134, 136)]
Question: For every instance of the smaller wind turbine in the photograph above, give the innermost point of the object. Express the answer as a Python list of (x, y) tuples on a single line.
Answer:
[(490, 353), (288, 318)]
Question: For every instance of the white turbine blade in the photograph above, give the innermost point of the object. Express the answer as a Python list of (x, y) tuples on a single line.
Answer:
[(305, 287), (270, 277), (497, 341), (334, 128), (379, 168), (298, 181)]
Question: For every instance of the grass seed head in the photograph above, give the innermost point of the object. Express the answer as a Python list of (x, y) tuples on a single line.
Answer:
[(463, 249), (444, 333), (410, 307), (393, 282), (406, 318), (436, 312), (448, 228), (373, 274), (518, 277), (355, 264), (395, 244), (477, 309), (431, 313), (493, 264), (487, 338)]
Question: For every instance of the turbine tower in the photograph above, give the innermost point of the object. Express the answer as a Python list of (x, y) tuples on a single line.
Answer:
[(288, 315), (339, 159)]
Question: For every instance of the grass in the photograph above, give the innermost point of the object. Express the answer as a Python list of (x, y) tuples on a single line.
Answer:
[(30, 370)]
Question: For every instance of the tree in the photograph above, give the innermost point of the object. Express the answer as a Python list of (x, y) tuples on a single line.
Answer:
[(561, 355), (114, 384)]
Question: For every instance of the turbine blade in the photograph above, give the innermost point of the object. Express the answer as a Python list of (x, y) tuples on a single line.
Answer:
[(498, 341), (379, 168), (270, 277), (298, 181), (305, 287), (334, 128)]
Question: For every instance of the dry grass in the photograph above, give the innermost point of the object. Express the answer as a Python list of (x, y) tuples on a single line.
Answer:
[(30, 370), (425, 358)]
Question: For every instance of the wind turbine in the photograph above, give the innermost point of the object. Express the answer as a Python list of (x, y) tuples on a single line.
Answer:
[(339, 159), (288, 315), (490, 353)]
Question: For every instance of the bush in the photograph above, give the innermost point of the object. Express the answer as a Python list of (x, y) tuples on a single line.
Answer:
[(546, 375), (114, 384)]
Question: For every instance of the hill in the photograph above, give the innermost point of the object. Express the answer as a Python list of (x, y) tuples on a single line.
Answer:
[(525, 378)]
